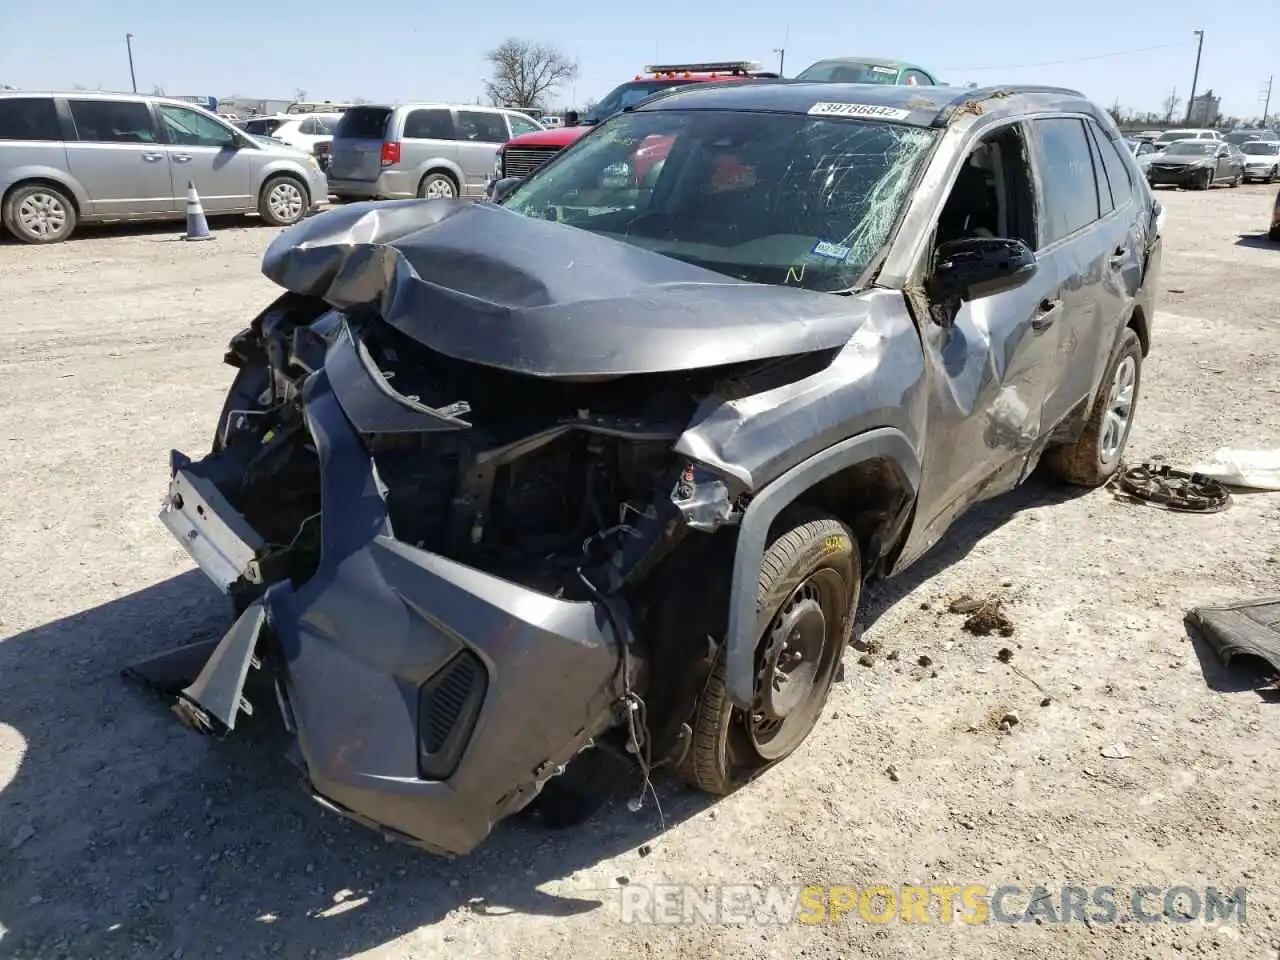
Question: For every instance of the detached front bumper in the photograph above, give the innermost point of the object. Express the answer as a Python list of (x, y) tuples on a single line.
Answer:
[(429, 699)]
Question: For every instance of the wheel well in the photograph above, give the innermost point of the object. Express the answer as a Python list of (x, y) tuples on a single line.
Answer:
[(1138, 322), (46, 182), (444, 172), (870, 497)]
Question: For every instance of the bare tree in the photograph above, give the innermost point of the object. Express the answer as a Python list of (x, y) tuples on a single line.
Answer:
[(524, 73), (78, 86), (157, 91), (1170, 105), (300, 94)]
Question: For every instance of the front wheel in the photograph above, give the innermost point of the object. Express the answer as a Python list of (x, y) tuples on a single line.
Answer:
[(809, 583), (1095, 456), (283, 201), (1204, 181)]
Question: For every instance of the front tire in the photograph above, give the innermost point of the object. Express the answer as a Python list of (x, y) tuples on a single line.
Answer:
[(39, 213), (809, 584), (1095, 456), (1204, 181), (282, 202)]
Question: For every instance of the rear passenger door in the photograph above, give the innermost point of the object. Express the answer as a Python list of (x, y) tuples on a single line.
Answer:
[(118, 158), (1085, 240), (208, 154), (480, 134), (428, 138)]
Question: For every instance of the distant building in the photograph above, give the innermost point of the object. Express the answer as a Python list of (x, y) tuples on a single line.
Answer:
[(1204, 110)]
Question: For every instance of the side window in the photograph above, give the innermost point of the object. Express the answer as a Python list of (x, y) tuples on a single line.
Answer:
[(191, 129), (113, 121), (520, 125), (1067, 179), (992, 195), (308, 127), (1115, 169), (917, 78), (428, 125), (29, 118), (481, 127)]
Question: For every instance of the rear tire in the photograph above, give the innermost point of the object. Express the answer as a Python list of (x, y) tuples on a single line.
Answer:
[(1274, 234), (283, 201), (438, 186), (39, 213), (809, 583), (1096, 454)]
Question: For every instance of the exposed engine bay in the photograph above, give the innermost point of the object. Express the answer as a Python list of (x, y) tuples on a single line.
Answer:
[(540, 482)]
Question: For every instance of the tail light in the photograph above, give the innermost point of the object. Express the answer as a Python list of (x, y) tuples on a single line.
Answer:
[(390, 153), (320, 149)]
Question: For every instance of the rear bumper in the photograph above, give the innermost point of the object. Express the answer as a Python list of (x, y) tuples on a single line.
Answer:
[(390, 185), (429, 699)]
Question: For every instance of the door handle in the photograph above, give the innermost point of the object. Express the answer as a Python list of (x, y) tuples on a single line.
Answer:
[(1118, 257), (152, 157), (181, 157), (1046, 313)]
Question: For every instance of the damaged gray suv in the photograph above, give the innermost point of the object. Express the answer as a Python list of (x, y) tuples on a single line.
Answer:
[(600, 469)]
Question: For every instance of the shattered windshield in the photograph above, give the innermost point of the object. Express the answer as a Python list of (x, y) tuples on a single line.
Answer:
[(767, 197)]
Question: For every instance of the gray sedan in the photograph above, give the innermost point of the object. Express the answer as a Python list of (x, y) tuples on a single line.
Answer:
[(1197, 165)]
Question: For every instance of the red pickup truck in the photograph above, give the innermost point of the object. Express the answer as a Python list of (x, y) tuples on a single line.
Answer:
[(520, 156)]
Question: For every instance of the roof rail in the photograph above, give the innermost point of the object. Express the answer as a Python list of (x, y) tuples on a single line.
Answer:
[(978, 94)]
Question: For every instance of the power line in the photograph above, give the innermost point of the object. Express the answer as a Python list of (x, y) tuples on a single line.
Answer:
[(1054, 63)]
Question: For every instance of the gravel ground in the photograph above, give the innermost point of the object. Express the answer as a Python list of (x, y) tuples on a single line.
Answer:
[(123, 834)]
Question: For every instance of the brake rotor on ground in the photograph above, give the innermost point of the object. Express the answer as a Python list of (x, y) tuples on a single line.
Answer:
[(1159, 485)]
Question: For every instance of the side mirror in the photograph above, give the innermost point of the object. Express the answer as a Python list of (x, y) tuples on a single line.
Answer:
[(499, 190), (980, 267)]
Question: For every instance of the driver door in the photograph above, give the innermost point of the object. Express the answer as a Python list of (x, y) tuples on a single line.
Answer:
[(206, 152), (993, 360)]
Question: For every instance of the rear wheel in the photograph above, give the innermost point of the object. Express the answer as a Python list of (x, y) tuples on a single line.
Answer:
[(437, 186), (1095, 456), (1275, 173), (809, 583), (39, 213)]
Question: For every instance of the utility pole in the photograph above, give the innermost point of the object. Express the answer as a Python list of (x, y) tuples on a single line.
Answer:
[(128, 42), (782, 51), (1191, 100), (1266, 107)]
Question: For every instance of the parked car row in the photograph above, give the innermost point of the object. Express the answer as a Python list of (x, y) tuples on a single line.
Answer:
[(71, 158)]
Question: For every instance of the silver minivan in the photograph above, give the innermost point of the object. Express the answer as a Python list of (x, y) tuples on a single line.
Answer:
[(80, 157), (419, 150)]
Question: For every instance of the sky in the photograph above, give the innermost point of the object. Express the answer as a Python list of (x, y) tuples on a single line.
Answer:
[(1135, 52)]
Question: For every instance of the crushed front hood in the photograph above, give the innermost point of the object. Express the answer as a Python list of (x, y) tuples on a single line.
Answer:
[(481, 284)]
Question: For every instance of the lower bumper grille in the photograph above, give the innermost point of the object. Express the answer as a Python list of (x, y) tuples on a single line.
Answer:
[(522, 161), (448, 705)]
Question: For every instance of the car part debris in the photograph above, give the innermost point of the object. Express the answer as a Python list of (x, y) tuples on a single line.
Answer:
[(1249, 627), (1116, 751), (985, 617), (1160, 485), (1247, 469)]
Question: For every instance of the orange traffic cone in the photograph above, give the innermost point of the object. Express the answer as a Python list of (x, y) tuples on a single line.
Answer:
[(197, 225)]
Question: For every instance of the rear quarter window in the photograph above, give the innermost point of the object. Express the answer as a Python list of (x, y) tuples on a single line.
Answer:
[(363, 123), (29, 118)]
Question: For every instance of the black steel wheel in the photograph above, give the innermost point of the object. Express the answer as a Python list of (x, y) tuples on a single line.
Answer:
[(809, 583)]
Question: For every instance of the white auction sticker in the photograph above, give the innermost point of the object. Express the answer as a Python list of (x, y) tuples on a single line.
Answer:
[(826, 109)]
